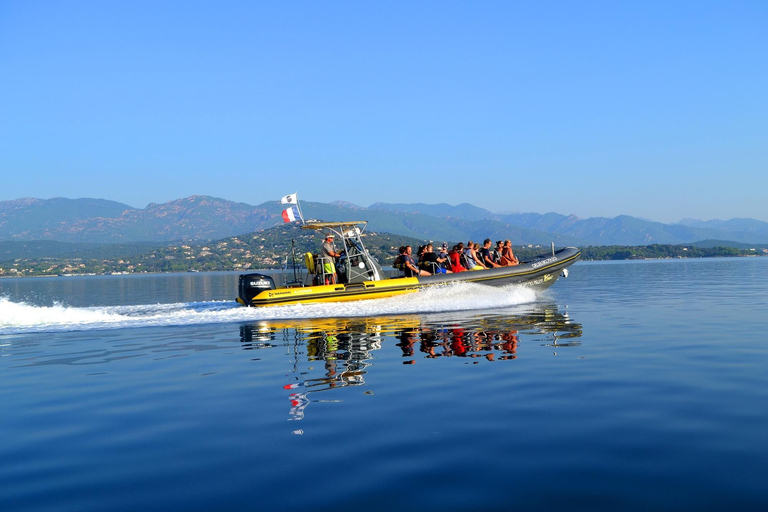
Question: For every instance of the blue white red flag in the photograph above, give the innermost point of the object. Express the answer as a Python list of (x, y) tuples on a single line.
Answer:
[(291, 214), (290, 198)]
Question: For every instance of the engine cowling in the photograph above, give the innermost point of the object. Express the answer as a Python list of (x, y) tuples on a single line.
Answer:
[(250, 285)]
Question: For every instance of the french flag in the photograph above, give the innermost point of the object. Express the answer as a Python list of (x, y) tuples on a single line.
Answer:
[(291, 214)]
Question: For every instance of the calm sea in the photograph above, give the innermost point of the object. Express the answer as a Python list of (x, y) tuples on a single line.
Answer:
[(627, 386)]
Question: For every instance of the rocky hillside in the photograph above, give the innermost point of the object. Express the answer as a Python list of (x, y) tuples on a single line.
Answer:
[(202, 218), (100, 221)]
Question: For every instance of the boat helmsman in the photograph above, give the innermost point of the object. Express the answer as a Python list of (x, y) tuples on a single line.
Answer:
[(329, 256)]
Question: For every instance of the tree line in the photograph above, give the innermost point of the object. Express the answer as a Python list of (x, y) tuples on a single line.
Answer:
[(661, 251)]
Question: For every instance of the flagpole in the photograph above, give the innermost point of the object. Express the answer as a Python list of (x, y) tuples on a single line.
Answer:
[(293, 252)]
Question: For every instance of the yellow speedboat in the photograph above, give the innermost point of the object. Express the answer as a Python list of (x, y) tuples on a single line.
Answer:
[(361, 277)]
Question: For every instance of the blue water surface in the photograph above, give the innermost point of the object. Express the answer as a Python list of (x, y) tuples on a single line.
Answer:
[(627, 386)]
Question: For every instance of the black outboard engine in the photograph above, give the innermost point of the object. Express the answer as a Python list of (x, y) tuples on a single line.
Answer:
[(250, 285)]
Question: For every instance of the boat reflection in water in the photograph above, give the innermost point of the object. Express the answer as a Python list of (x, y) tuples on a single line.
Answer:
[(346, 346)]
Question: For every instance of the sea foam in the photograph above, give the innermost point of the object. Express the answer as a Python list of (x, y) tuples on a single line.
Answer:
[(20, 317)]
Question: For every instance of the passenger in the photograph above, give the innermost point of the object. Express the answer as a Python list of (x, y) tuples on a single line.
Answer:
[(455, 256), (469, 261), (473, 259), (443, 251), (431, 261), (479, 256), (477, 251), (420, 257), (508, 258), (420, 253), (329, 255), (485, 254), (410, 267), (398, 262), (496, 252)]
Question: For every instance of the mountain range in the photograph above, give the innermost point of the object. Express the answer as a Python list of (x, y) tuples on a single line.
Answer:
[(202, 218)]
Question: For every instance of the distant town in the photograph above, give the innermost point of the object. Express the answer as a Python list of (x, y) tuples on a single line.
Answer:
[(271, 250)]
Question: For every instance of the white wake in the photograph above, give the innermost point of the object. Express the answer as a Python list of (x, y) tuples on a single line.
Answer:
[(20, 317)]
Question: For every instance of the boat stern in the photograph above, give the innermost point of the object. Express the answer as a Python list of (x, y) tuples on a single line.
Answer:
[(250, 285)]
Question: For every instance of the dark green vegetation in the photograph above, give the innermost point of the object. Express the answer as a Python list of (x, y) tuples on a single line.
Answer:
[(618, 252), (39, 249)]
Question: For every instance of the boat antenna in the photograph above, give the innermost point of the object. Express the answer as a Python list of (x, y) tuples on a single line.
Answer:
[(293, 253)]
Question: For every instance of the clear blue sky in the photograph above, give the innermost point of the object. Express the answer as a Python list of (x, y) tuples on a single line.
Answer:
[(657, 109)]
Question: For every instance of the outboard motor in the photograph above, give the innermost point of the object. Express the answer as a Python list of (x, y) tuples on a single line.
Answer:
[(250, 285)]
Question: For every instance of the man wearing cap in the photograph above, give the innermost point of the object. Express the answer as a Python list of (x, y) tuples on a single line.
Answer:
[(443, 251), (433, 262), (329, 255)]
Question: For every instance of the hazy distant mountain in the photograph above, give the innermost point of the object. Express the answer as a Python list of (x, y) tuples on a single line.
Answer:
[(209, 218), (418, 224), (621, 230), (346, 204), (626, 230), (30, 219), (462, 211), (100, 221), (547, 222), (746, 227)]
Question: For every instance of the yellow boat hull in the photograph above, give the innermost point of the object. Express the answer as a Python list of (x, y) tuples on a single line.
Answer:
[(335, 292)]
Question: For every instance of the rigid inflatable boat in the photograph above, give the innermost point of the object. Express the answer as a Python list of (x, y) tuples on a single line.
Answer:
[(359, 276)]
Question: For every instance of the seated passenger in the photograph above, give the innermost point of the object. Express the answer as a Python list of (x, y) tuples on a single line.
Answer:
[(478, 256), (485, 254), (410, 267), (420, 253), (508, 258), (443, 251), (399, 264), (496, 252), (432, 262), (473, 259), (455, 256)]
